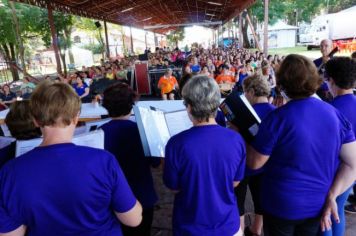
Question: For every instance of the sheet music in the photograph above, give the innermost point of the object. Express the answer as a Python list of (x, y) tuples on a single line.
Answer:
[(91, 110), (93, 125), (178, 121), (93, 139), (5, 130), (153, 129), (6, 141), (166, 105), (248, 105), (3, 114), (23, 146)]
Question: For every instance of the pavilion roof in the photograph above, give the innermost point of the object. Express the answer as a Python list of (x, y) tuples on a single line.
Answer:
[(141, 13)]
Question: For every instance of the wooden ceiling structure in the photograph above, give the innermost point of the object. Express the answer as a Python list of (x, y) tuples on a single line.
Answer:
[(143, 13)]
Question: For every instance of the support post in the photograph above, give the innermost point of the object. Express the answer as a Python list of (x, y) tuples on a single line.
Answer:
[(54, 37), (146, 40), (106, 40), (265, 29), (241, 38), (253, 32), (132, 46)]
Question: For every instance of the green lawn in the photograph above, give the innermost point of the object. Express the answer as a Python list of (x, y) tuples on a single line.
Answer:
[(301, 50)]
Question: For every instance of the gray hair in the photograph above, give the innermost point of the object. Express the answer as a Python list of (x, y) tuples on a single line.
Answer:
[(203, 95)]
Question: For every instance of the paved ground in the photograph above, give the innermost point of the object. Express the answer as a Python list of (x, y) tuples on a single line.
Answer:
[(163, 212)]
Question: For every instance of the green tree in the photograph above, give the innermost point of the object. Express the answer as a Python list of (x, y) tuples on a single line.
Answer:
[(175, 36)]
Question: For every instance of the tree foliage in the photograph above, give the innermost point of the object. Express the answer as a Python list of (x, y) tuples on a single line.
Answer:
[(175, 36)]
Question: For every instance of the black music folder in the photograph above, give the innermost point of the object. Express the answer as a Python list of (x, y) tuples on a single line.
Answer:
[(240, 113)]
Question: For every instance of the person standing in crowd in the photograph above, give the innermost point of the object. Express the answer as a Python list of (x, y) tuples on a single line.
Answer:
[(340, 73), (203, 165), (21, 127), (81, 88), (168, 85), (301, 157), (257, 91), (123, 140), (60, 188), (325, 49)]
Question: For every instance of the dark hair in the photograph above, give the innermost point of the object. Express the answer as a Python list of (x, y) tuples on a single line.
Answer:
[(343, 71), (298, 77), (353, 55), (119, 99), (20, 122)]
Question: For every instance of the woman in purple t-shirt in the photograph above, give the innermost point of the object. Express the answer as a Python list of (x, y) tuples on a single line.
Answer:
[(299, 145)]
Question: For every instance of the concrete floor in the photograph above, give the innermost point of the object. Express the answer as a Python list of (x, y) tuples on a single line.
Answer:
[(163, 212)]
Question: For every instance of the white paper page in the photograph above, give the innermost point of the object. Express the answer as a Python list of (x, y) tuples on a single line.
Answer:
[(90, 110), (178, 121), (23, 146), (93, 125), (6, 141), (167, 105), (5, 130), (80, 130), (154, 129), (3, 114), (94, 139)]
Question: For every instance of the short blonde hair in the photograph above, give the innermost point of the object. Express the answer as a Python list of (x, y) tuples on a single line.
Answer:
[(54, 104), (258, 85)]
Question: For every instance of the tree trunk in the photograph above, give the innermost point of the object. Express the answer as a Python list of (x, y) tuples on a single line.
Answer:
[(18, 37), (71, 56), (9, 52), (246, 42)]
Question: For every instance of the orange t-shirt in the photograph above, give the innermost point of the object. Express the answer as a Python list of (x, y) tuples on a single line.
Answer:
[(167, 84), (225, 78)]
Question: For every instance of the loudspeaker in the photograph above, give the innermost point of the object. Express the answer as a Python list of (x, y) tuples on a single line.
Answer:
[(97, 24)]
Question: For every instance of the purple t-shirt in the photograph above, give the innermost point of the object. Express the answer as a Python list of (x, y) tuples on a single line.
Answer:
[(80, 90), (123, 140), (202, 164), (303, 139), (262, 110), (346, 104), (64, 189)]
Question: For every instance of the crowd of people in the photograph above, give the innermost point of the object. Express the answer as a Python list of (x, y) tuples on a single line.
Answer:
[(300, 166)]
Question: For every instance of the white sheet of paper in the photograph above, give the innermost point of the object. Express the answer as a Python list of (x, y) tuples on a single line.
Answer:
[(93, 139), (167, 105), (93, 125), (153, 130), (6, 141), (3, 114), (90, 110), (5, 130), (178, 121)]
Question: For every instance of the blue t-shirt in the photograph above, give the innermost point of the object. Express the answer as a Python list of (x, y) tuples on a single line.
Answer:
[(7, 98), (262, 110), (64, 189), (346, 104), (202, 164), (195, 68), (123, 140), (80, 90), (303, 139)]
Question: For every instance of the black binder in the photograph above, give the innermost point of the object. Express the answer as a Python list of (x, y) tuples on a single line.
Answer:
[(240, 113)]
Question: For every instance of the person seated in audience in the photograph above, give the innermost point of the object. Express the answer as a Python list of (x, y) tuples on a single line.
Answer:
[(60, 188), (81, 88), (225, 76), (121, 74), (195, 67), (20, 124), (168, 85), (256, 90), (123, 140), (304, 156), (27, 88), (340, 73), (7, 97), (109, 74), (206, 72), (270, 78), (203, 165)]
